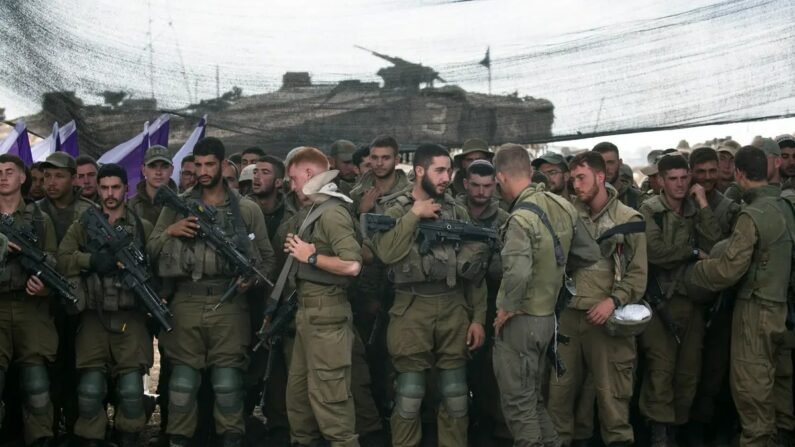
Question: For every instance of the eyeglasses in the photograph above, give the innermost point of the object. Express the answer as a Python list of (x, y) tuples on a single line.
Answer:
[(552, 172)]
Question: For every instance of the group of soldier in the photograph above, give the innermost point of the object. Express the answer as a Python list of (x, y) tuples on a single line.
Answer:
[(504, 325)]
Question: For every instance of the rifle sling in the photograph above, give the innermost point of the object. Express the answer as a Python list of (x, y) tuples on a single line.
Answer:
[(560, 257), (624, 228)]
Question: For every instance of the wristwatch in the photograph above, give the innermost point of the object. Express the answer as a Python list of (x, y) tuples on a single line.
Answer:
[(616, 302), (695, 253), (312, 259)]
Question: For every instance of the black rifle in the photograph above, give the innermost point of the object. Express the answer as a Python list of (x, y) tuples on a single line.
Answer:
[(564, 297), (34, 260), (434, 231), (133, 273), (213, 235), (275, 332), (658, 302)]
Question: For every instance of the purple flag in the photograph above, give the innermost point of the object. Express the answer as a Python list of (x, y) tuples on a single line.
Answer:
[(41, 150), (158, 131), (17, 143), (68, 139), (187, 148)]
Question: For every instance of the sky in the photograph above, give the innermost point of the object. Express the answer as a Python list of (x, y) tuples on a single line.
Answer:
[(604, 64)]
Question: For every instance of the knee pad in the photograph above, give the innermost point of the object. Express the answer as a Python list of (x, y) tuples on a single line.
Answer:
[(455, 391), (409, 391), (90, 393), (36, 384), (228, 389), (131, 395), (182, 388)]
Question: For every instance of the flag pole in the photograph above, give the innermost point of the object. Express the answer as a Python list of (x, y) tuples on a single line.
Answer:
[(486, 62)]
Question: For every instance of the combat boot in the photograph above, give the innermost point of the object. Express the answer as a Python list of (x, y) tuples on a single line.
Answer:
[(232, 439), (659, 435), (178, 441)]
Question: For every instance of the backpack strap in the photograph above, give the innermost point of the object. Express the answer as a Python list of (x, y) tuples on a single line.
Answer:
[(560, 257), (624, 228)]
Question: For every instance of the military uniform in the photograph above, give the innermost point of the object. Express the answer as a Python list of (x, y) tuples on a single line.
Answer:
[(62, 218), (203, 337), (437, 296), (143, 205), (532, 274), (672, 372), (608, 361), (319, 400), (628, 195), (27, 332), (759, 259), (112, 338)]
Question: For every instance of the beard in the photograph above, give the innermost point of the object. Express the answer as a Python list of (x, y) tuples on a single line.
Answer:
[(388, 173), (111, 203), (430, 188), (588, 195), (215, 180), (266, 190)]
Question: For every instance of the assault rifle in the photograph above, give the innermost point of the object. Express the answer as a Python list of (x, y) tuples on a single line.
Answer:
[(658, 302), (434, 232), (275, 332), (34, 260), (213, 235), (133, 273), (565, 295)]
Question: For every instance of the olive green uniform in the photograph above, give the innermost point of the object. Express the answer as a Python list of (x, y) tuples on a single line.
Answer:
[(27, 331), (629, 195), (591, 352), (759, 260), (143, 205), (673, 370), (319, 401), (437, 296), (203, 337), (112, 338), (532, 275)]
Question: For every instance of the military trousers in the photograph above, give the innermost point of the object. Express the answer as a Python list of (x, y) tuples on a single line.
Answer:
[(672, 370), (204, 338), (116, 344), (519, 363), (712, 401), (609, 364), (28, 338), (319, 400), (761, 371), (426, 331)]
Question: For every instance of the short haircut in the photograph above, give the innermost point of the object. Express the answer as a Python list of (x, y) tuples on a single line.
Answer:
[(702, 155), (671, 162), (425, 153), (37, 166), (278, 165), (752, 162), (86, 160), (258, 151), (236, 158), (360, 155), (9, 158), (540, 177), (481, 168), (606, 146), (592, 160), (234, 166), (385, 141), (311, 155), (112, 170), (210, 146), (512, 160), (188, 159)]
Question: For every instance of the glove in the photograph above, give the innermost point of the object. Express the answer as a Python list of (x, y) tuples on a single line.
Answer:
[(103, 262)]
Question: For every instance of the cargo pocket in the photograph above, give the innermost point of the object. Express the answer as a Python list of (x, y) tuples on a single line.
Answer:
[(622, 380), (332, 386)]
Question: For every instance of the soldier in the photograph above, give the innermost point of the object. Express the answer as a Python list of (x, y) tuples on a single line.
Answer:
[(246, 178), (627, 194), (532, 274), (617, 279), (386, 180), (341, 159), (230, 174), (250, 156), (556, 169), (321, 240), (758, 259), (157, 170), (202, 338), (726, 151), (440, 304), (86, 177), (113, 339), (473, 149), (37, 182), (64, 201), (786, 143), (654, 182), (266, 187), (680, 229), (361, 159), (27, 332), (187, 173)]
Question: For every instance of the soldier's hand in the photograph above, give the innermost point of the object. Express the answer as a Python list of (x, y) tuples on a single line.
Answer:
[(698, 193), (35, 287), (186, 227), (475, 336), (244, 284), (426, 209), (299, 249), (599, 313), (368, 200), (13, 248), (702, 255), (502, 317)]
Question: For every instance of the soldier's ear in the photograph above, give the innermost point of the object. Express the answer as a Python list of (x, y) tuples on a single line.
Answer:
[(419, 171)]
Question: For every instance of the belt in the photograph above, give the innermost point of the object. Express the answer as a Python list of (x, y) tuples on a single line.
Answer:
[(201, 288), (320, 301), (16, 295), (430, 288)]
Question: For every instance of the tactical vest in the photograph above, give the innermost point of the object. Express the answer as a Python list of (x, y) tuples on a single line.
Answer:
[(768, 276), (107, 293), (13, 278), (442, 263)]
